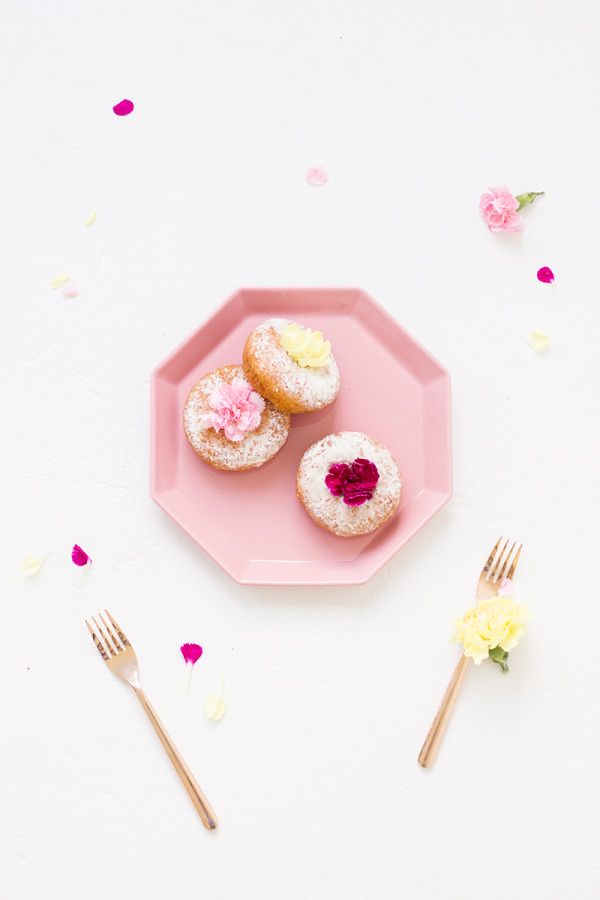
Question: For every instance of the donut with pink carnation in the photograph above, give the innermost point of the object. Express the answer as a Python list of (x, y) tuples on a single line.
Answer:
[(229, 425)]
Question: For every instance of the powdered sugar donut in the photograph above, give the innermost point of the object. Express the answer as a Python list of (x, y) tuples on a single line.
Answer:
[(300, 379), (229, 425), (349, 483)]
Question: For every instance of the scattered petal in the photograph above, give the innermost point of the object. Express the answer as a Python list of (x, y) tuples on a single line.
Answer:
[(538, 340), (191, 653), (91, 218), (505, 589), (79, 556), (123, 108), (84, 571), (214, 705), (59, 280), (546, 275), (70, 289), (317, 176), (32, 564)]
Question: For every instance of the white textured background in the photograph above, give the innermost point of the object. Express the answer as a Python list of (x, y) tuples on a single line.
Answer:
[(414, 109)]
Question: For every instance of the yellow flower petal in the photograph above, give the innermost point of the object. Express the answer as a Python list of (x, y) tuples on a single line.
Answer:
[(91, 218), (498, 622), (214, 707), (32, 564), (538, 340), (305, 346), (59, 280)]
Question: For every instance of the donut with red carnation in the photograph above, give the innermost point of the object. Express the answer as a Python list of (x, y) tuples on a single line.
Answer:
[(349, 483)]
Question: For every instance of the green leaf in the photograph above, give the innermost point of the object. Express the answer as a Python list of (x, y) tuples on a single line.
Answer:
[(498, 655), (526, 199)]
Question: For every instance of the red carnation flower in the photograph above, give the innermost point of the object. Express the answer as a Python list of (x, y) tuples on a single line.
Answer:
[(354, 483)]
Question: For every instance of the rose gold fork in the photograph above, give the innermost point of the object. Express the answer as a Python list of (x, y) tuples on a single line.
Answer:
[(488, 586), (119, 656)]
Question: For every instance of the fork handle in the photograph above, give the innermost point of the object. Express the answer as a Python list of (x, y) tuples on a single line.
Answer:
[(430, 748), (203, 807)]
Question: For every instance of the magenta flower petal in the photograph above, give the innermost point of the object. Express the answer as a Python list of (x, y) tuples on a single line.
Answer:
[(191, 653), (355, 483), (123, 108), (546, 275), (79, 556)]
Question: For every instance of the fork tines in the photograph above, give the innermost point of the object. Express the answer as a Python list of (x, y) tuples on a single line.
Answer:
[(495, 567), (113, 645)]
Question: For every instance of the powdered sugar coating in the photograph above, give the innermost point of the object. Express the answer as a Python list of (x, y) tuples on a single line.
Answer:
[(273, 373), (331, 512), (254, 449)]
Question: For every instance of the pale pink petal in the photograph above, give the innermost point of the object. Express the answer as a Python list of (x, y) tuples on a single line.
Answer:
[(512, 222), (233, 433), (70, 289), (123, 108), (505, 589), (317, 176)]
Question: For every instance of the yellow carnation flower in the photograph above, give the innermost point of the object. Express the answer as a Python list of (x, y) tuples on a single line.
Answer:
[(305, 346), (499, 622)]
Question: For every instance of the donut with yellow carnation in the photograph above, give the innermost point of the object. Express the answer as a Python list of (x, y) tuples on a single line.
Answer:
[(291, 365)]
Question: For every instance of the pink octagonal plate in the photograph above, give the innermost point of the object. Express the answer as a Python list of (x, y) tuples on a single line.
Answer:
[(251, 522)]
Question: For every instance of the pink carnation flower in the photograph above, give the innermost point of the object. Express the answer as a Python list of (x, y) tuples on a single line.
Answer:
[(499, 209), (236, 409)]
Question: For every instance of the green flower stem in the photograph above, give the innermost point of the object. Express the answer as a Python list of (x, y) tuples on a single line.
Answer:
[(526, 199), (498, 655)]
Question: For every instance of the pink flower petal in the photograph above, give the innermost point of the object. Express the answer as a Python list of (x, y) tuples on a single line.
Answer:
[(237, 409), (546, 275), (505, 589), (69, 289), (317, 176), (191, 653), (123, 108), (79, 556)]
